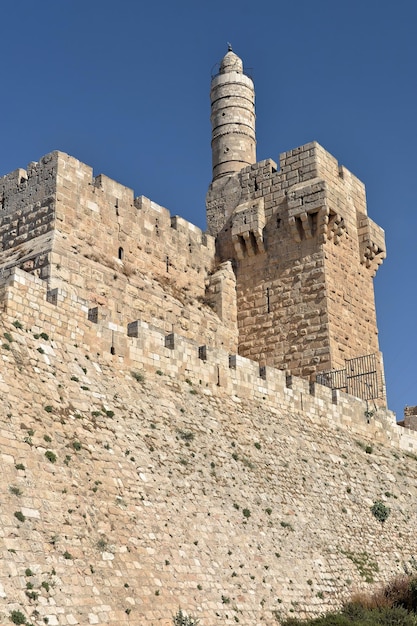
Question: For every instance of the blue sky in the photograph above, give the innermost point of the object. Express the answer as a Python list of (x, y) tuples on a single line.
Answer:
[(124, 87)]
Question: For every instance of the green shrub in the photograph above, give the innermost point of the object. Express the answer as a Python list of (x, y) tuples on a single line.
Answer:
[(380, 511), (138, 376), (246, 513), (20, 466), (19, 515), (51, 456), (185, 435), (17, 617), (17, 324), (8, 337), (44, 336), (76, 445), (181, 619), (48, 408)]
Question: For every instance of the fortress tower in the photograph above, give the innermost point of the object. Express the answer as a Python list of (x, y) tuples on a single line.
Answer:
[(303, 249)]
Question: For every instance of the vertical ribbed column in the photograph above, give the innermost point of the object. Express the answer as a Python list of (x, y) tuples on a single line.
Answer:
[(232, 98)]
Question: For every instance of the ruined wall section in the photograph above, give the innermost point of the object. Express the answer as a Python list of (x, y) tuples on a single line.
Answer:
[(27, 215)]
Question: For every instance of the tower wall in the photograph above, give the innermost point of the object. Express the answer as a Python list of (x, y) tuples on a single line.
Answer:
[(304, 253)]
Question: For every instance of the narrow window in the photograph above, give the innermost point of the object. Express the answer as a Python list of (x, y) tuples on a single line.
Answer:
[(121, 254), (268, 302)]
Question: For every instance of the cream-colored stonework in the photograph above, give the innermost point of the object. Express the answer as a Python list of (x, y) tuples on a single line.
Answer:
[(175, 476), (193, 460)]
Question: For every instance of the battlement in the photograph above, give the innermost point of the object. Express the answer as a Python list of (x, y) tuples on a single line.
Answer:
[(211, 370)]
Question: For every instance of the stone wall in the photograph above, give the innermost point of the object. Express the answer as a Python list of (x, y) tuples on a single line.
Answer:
[(126, 256), (163, 475)]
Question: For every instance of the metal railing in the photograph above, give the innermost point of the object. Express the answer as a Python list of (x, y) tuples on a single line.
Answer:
[(359, 378)]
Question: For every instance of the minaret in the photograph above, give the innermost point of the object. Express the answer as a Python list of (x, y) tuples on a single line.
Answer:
[(232, 96)]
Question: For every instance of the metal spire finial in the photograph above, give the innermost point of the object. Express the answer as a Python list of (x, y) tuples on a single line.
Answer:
[(229, 47)]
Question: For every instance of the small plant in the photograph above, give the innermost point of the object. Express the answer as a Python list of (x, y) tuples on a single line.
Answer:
[(17, 324), (181, 619), (286, 525), (380, 511), (257, 445), (84, 388), (185, 435), (19, 515), (159, 372), (20, 466), (15, 490), (225, 599), (246, 513), (44, 336), (138, 376), (45, 585), (48, 408), (32, 595), (47, 438), (75, 379), (51, 456), (8, 337), (369, 449), (17, 617), (28, 572), (109, 413), (40, 350), (76, 445), (67, 555), (6, 346), (101, 544)]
